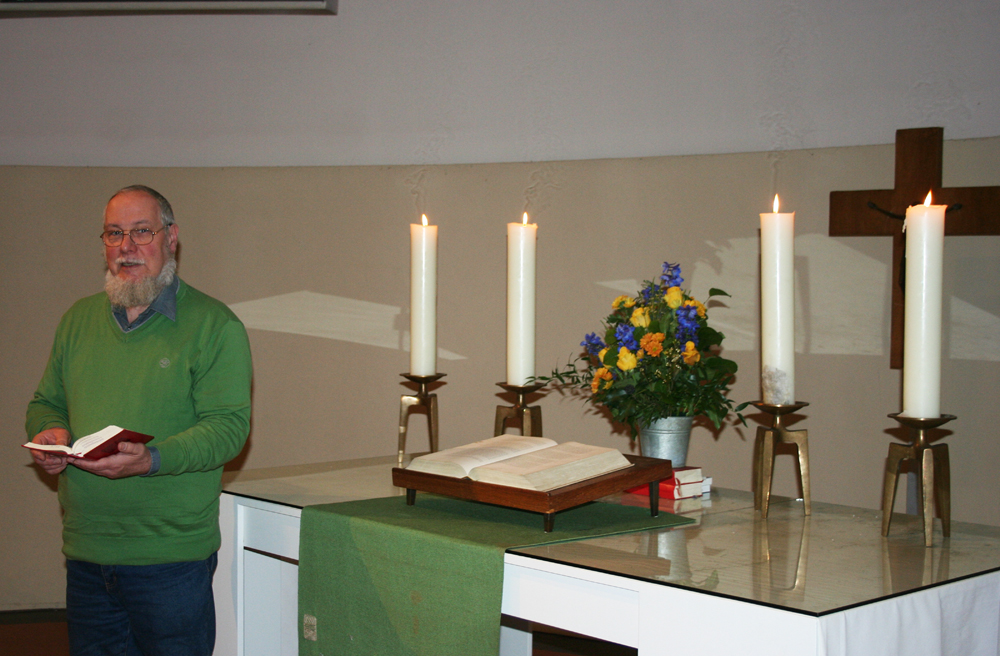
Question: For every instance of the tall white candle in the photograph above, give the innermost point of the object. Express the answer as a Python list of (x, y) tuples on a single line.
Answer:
[(924, 229), (777, 306), (521, 238), (423, 299)]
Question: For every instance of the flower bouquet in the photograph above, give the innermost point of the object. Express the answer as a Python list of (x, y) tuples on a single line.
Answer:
[(657, 358)]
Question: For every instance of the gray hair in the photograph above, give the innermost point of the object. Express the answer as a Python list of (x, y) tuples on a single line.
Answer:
[(166, 212)]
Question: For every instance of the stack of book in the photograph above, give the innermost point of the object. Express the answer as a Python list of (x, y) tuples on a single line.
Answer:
[(685, 493), (686, 483)]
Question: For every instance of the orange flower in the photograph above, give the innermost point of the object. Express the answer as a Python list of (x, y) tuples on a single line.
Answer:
[(652, 343), (691, 354), (599, 375)]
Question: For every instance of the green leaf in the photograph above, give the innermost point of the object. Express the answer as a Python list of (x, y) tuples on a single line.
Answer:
[(709, 337)]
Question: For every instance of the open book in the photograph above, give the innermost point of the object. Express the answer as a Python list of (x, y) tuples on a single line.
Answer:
[(533, 463), (94, 446)]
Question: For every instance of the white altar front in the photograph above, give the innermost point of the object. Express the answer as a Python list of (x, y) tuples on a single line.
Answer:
[(827, 584)]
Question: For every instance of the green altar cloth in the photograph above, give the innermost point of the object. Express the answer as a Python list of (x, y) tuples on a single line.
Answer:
[(378, 577)]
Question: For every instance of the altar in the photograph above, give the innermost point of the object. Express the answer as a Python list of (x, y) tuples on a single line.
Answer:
[(827, 583)]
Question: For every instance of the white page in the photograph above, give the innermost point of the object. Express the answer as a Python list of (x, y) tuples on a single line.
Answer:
[(566, 452), (484, 452), (82, 445), (88, 442)]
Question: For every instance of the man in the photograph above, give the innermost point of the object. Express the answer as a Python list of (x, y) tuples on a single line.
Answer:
[(154, 355)]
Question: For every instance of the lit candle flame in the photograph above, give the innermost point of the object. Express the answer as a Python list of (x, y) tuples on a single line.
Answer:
[(525, 220), (423, 217), (776, 203), (927, 201)]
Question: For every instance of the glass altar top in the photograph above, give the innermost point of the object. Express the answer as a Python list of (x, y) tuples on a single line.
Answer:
[(830, 561)]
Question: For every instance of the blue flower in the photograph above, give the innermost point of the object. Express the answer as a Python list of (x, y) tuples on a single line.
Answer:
[(625, 335), (671, 275), (649, 291), (593, 344), (687, 324)]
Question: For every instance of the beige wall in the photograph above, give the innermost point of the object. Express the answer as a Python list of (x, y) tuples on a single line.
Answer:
[(249, 234)]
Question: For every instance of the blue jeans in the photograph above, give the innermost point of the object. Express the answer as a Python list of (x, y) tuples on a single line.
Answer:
[(141, 610)]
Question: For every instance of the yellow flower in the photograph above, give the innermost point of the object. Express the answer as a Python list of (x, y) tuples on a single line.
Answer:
[(600, 356), (640, 317), (691, 354), (674, 297), (697, 304), (652, 343), (622, 301), (626, 359), (599, 375)]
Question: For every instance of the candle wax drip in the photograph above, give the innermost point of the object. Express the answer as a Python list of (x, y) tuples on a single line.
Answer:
[(775, 387)]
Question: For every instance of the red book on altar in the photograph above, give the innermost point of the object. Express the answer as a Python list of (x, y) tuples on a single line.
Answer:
[(685, 483)]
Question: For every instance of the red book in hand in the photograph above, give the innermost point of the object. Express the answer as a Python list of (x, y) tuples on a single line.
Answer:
[(94, 446)]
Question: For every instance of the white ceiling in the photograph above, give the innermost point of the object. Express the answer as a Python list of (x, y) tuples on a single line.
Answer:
[(450, 81)]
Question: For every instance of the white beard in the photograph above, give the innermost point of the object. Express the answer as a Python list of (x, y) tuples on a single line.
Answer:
[(139, 293)]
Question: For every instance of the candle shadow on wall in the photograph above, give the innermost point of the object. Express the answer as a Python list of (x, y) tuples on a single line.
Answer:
[(332, 317), (825, 323), (803, 311), (972, 312), (575, 395), (841, 299), (401, 324)]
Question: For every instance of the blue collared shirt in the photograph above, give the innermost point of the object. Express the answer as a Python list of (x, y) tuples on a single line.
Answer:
[(165, 304)]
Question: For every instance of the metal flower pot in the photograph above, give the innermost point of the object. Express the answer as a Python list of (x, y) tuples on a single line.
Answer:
[(667, 438)]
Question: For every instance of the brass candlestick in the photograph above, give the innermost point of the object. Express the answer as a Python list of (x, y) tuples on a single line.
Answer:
[(530, 416), (763, 453), (929, 457), (421, 399)]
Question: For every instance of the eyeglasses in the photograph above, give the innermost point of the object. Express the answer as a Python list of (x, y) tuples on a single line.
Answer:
[(139, 236)]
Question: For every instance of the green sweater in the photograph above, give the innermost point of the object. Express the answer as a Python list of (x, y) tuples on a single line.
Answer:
[(187, 383)]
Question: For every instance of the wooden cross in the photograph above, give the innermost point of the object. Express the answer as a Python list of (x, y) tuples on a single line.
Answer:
[(880, 213)]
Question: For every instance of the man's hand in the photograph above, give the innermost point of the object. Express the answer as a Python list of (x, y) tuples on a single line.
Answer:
[(132, 459), (52, 463)]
